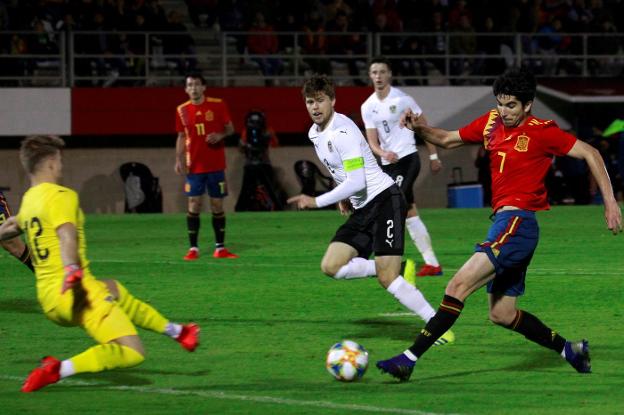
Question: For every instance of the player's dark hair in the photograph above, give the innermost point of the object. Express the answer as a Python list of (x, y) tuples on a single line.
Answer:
[(517, 82), (382, 60), (196, 75), (316, 84), (36, 148)]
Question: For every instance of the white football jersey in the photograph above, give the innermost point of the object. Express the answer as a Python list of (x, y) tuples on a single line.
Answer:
[(384, 116), (342, 142)]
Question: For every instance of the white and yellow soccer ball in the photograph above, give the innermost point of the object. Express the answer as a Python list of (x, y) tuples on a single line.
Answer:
[(347, 361)]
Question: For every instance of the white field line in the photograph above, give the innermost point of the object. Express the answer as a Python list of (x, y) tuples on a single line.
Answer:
[(246, 398)]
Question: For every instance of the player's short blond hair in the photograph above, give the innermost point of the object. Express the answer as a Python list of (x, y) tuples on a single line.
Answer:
[(36, 148), (316, 84)]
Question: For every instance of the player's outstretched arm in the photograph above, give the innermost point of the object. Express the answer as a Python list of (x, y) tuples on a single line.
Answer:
[(436, 136), (613, 214), (10, 229)]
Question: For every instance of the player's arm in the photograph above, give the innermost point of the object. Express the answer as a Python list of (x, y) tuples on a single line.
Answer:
[(373, 141), (10, 229), (436, 136), (68, 240), (180, 167), (355, 181), (434, 160), (613, 214), (214, 138)]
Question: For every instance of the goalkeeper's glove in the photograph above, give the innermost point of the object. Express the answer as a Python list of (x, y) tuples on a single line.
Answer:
[(73, 275)]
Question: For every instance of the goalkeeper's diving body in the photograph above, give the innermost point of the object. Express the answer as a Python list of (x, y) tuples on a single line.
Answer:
[(68, 293)]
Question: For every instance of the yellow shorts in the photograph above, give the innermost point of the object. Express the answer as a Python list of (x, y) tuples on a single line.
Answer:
[(93, 309)]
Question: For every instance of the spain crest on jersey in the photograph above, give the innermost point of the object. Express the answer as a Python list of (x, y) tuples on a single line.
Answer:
[(209, 115), (393, 108), (330, 147), (522, 143)]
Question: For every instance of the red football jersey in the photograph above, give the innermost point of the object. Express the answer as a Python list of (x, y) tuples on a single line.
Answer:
[(196, 122), (519, 157)]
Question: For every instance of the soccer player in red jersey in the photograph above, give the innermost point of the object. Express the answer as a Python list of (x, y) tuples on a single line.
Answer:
[(14, 246), (521, 148), (202, 124)]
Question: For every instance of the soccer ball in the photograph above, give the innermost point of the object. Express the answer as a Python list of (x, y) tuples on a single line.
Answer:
[(347, 361)]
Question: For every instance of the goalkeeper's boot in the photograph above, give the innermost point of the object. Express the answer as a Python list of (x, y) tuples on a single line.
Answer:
[(446, 338), (400, 367), (192, 254), (48, 372), (189, 337), (408, 271), (223, 253), (577, 354), (430, 271)]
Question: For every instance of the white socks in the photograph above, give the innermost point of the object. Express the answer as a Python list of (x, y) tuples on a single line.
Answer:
[(422, 240), (173, 330), (67, 368), (411, 297), (357, 268)]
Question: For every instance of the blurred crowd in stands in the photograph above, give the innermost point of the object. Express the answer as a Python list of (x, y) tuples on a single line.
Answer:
[(321, 22)]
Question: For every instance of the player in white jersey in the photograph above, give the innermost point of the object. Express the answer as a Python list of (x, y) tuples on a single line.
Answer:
[(377, 204), (396, 147)]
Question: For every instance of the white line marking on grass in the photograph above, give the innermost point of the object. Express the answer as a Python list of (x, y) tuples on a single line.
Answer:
[(406, 314), (246, 398)]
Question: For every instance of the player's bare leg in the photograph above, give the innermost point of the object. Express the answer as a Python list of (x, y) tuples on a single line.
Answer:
[(218, 226), (475, 273), (420, 236), (341, 262)]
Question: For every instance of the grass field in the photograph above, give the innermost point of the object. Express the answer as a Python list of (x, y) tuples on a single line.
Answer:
[(269, 317)]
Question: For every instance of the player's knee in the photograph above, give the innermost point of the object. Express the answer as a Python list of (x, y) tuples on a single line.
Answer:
[(113, 288), (329, 268), (456, 288), (502, 317)]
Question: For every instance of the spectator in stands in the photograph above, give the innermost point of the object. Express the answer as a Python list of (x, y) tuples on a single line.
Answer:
[(412, 65), (464, 42), (489, 44), (263, 41), (179, 42), (347, 44), (436, 44), (203, 13), (315, 44)]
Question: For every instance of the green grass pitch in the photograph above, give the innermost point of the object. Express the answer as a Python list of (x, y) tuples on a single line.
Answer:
[(269, 317)]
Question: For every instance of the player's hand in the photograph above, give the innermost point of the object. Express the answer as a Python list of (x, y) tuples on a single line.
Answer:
[(73, 275), (613, 217), (391, 156), (303, 201), (214, 138), (179, 167), (436, 166), (345, 207)]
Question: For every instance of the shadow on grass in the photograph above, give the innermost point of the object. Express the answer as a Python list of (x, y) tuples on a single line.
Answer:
[(20, 305)]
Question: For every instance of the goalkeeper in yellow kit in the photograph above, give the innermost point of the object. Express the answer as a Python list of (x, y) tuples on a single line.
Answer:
[(69, 294)]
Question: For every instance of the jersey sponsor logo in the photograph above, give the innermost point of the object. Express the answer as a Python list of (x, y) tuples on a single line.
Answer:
[(522, 144), (209, 115), (393, 109), (330, 147)]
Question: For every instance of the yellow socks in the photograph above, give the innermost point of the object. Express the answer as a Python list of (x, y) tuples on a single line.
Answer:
[(105, 357), (140, 313)]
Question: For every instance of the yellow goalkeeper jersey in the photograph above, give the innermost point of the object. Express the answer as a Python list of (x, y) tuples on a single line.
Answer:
[(44, 208)]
